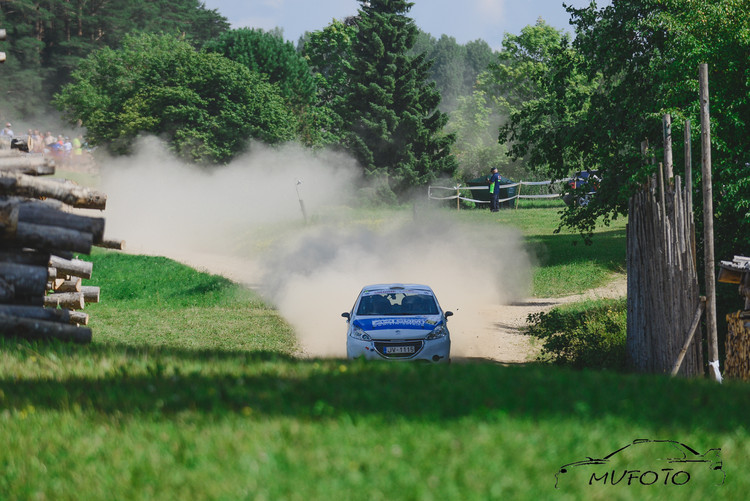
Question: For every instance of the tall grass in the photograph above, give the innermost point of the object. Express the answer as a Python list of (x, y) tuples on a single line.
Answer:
[(190, 391)]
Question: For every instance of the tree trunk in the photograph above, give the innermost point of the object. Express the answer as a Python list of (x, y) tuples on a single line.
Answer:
[(74, 267), (39, 213), (53, 238), (32, 329), (90, 293), (73, 284), (71, 300), (111, 244), (25, 279), (22, 256), (32, 165), (36, 312), (79, 318), (67, 191)]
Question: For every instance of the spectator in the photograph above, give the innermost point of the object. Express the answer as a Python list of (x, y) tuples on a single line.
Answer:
[(494, 182), (77, 148), (49, 140), (38, 142), (7, 131)]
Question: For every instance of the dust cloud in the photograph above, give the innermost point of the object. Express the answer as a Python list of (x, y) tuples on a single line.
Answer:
[(245, 221)]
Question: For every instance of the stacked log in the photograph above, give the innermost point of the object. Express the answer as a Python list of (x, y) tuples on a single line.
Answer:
[(41, 291), (737, 363)]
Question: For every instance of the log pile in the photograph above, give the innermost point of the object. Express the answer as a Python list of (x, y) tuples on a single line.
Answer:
[(737, 364), (41, 296)]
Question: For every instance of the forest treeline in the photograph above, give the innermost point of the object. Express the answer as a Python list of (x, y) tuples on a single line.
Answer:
[(410, 107)]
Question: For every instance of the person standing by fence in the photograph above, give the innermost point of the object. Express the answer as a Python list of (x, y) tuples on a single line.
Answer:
[(494, 183)]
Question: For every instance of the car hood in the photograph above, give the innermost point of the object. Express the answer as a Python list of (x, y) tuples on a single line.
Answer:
[(398, 327)]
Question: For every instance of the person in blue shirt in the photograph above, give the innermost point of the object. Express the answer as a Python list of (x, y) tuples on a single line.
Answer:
[(494, 182)]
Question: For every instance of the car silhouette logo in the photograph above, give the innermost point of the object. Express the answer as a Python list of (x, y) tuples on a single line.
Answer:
[(646, 462)]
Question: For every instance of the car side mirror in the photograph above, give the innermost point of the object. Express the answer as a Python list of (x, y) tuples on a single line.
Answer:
[(346, 315), (448, 314)]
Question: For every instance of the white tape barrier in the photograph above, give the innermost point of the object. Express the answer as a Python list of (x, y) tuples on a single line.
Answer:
[(459, 187)]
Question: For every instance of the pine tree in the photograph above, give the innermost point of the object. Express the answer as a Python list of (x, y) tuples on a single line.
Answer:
[(393, 125)]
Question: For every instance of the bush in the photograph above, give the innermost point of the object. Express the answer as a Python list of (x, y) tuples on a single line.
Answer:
[(583, 335)]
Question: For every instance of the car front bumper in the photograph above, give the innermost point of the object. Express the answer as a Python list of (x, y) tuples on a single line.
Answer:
[(433, 350)]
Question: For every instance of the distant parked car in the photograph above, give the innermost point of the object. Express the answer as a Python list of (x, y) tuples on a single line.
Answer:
[(398, 322), (582, 186)]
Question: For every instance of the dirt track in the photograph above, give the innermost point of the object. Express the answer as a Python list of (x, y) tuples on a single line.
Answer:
[(491, 332), (498, 335)]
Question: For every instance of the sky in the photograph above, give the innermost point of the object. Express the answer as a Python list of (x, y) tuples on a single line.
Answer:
[(465, 20)]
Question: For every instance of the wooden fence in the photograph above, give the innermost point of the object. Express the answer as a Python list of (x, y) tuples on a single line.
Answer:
[(664, 302)]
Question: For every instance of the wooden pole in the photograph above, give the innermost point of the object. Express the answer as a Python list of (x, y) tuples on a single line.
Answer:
[(689, 165), (667, 133), (708, 221), (691, 333), (689, 184), (518, 194)]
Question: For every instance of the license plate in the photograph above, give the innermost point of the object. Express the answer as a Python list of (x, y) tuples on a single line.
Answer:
[(397, 350)]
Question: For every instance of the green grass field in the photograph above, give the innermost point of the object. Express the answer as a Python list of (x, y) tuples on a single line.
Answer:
[(193, 392)]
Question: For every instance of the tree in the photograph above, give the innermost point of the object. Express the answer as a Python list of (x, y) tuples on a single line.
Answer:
[(327, 53), (476, 149), (640, 59), (455, 67), (47, 39), (517, 75), (392, 123), (269, 54), (644, 54), (205, 105)]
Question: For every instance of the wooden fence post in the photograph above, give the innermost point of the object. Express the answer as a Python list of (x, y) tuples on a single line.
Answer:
[(689, 180), (667, 133), (708, 222)]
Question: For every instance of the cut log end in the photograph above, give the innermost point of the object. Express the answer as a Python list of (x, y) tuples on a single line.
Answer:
[(111, 244)]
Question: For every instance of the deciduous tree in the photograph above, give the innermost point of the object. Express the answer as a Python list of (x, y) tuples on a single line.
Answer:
[(203, 104), (48, 38)]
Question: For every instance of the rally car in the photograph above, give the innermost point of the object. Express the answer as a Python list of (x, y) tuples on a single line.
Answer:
[(398, 322)]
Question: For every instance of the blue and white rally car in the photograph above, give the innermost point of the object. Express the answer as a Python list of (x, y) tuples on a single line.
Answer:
[(398, 322)]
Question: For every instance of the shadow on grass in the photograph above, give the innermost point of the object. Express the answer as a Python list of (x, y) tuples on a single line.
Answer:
[(277, 385), (607, 249)]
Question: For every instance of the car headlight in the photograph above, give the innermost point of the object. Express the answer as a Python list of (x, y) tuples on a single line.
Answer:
[(439, 331), (359, 333)]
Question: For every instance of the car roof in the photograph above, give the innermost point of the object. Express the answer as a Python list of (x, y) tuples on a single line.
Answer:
[(396, 286)]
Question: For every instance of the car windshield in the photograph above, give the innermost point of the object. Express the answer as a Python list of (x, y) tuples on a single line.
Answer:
[(397, 303)]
